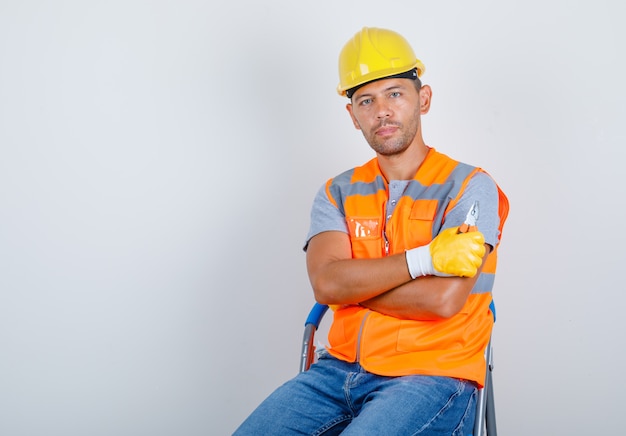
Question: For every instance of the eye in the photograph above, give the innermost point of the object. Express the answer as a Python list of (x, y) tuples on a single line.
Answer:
[(395, 94), (365, 102)]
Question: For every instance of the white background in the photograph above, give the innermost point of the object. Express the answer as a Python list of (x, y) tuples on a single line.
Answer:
[(157, 164)]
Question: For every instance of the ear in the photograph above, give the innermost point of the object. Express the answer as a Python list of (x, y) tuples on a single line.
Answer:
[(354, 121), (426, 94)]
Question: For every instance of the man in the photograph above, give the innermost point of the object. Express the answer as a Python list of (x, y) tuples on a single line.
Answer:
[(410, 291)]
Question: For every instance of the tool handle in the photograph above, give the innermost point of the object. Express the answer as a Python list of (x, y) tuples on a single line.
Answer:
[(464, 228)]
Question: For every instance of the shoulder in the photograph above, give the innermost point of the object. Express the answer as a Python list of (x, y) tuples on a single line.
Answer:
[(482, 180), (365, 172)]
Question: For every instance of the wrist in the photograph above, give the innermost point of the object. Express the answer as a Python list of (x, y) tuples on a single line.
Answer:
[(419, 261)]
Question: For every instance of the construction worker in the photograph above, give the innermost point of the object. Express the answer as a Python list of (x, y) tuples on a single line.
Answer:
[(409, 284)]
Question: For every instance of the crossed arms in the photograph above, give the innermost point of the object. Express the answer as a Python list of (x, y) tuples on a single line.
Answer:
[(381, 284)]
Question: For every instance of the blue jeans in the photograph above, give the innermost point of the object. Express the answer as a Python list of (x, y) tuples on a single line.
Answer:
[(335, 397)]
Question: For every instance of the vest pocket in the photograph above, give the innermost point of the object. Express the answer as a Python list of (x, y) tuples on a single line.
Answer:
[(420, 223), (364, 227), (424, 209), (365, 236)]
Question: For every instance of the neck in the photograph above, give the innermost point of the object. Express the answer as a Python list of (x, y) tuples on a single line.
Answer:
[(403, 166)]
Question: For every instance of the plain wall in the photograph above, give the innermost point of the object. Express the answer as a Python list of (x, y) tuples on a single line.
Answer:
[(158, 160)]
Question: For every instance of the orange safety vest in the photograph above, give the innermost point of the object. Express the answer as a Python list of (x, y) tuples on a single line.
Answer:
[(391, 346)]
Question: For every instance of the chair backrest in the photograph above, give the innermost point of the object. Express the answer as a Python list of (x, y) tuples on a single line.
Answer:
[(311, 325), (485, 419)]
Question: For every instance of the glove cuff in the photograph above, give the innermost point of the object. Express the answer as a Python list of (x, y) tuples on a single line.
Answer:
[(420, 262)]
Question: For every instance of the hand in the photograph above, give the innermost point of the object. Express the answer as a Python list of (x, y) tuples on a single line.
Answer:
[(449, 254), (459, 254)]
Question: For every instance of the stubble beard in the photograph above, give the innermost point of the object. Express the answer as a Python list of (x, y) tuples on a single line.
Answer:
[(396, 144), (391, 146)]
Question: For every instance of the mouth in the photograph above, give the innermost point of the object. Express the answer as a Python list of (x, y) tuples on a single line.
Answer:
[(386, 130)]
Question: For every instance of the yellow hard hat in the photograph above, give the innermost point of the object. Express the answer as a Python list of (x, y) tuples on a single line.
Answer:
[(374, 54)]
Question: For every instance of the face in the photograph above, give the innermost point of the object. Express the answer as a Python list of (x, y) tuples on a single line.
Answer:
[(388, 113)]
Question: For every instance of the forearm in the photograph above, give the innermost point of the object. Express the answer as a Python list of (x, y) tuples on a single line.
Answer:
[(425, 298), (350, 281), (337, 278)]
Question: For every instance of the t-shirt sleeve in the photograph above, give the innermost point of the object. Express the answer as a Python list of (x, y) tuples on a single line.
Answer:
[(483, 189), (325, 217)]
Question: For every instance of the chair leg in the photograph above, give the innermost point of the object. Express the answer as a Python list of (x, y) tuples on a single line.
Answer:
[(479, 418), (490, 414), (485, 418)]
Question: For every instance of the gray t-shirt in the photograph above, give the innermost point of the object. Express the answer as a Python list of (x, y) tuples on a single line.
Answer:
[(481, 187)]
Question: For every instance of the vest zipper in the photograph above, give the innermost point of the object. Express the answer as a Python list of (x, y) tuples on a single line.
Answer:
[(385, 216), (386, 243)]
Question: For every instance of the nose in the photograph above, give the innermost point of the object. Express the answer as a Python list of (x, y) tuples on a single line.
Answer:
[(383, 110)]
